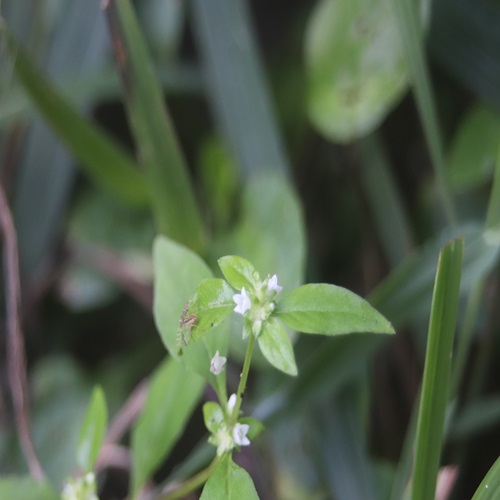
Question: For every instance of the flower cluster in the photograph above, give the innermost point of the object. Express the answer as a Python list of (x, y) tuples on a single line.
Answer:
[(257, 305), (83, 488)]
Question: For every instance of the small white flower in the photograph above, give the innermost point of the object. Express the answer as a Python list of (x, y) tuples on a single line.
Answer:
[(240, 432), (217, 363), (272, 285), (242, 301), (231, 403)]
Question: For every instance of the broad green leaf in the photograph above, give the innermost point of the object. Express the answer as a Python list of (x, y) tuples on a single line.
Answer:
[(229, 482), (211, 304), (173, 394), (276, 346), (435, 385), (356, 67), (26, 488), (178, 272), (490, 485), (174, 204), (93, 431), (474, 148), (329, 310), (239, 272), (106, 163), (213, 416)]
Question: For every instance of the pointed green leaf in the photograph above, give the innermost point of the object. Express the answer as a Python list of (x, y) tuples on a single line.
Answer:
[(229, 482), (103, 160), (211, 304), (490, 485), (26, 488), (178, 271), (173, 394), (329, 310), (239, 272), (213, 416), (276, 346), (175, 209), (93, 431)]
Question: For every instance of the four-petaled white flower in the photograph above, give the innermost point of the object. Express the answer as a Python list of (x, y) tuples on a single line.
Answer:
[(272, 285), (231, 403), (217, 363), (242, 301), (240, 432)]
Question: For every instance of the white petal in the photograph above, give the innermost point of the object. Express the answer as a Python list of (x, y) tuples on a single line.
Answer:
[(217, 363), (240, 432), (242, 301), (231, 402), (272, 285)]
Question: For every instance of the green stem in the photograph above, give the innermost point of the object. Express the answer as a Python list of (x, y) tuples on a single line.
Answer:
[(243, 379), (193, 483)]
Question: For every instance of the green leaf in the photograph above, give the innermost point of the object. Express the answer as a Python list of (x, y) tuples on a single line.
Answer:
[(239, 272), (174, 204), (230, 482), (93, 431), (435, 385), (173, 394), (178, 272), (256, 427), (492, 234), (213, 416), (329, 310), (490, 485), (355, 66), (474, 148), (26, 488), (211, 304), (276, 346), (103, 160)]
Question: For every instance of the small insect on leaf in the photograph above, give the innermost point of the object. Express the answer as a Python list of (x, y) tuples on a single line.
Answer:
[(186, 323)]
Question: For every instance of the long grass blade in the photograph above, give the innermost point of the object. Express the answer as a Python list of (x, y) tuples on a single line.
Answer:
[(437, 368), (174, 204)]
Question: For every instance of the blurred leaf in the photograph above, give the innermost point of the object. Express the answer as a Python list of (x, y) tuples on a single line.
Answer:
[(412, 40), (230, 482), (476, 417), (172, 396), (474, 148), (213, 416), (236, 84), (174, 204), (178, 272), (329, 310), (256, 427), (26, 488), (490, 485), (104, 161), (276, 346), (355, 66), (493, 217), (435, 385), (405, 294), (92, 431)]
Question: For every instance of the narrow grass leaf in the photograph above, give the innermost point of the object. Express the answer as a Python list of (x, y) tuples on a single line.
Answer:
[(174, 204), (104, 161), (490, 485), (172, 397), (493, 216), (435, 386), (92, 431)]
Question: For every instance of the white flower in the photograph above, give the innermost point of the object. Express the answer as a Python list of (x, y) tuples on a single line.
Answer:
[(231, 403), (272, 285), (242, 301), (240, 432), (217, 363)]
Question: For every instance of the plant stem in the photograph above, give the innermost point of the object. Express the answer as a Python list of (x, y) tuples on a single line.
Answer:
[(192, 483), (243, 378)]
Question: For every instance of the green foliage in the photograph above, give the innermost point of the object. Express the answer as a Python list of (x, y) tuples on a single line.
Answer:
[(93, 431), (26, 488), (489, 487)]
